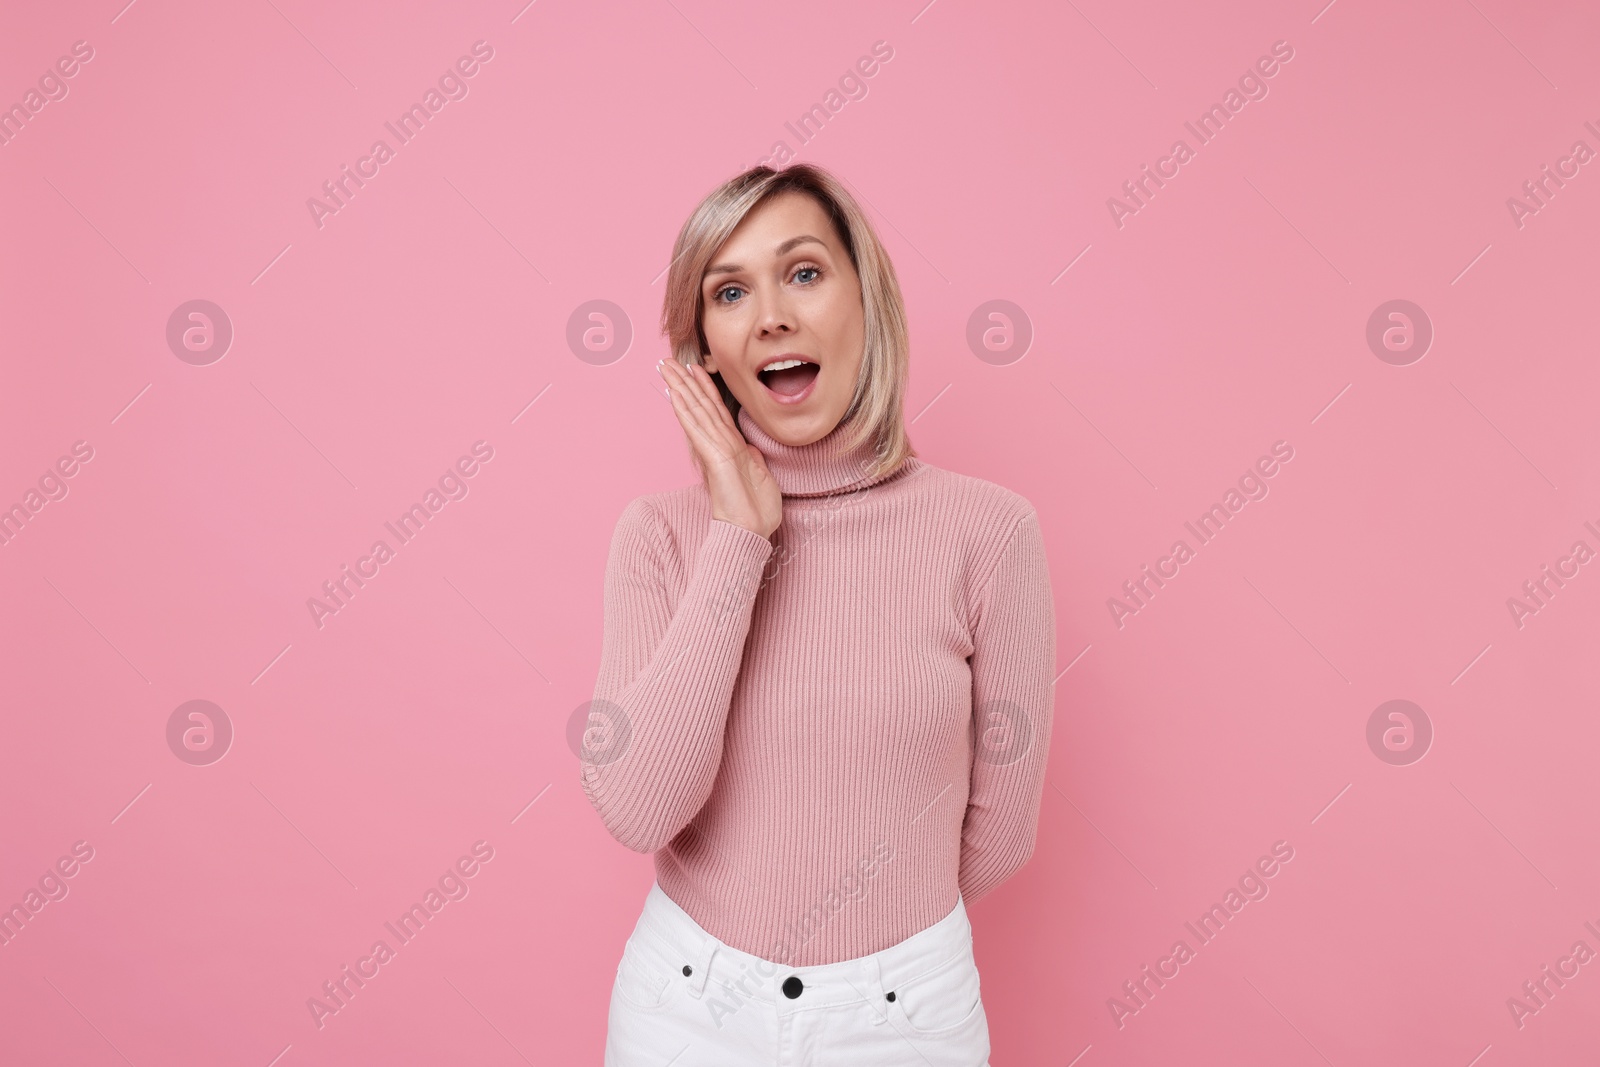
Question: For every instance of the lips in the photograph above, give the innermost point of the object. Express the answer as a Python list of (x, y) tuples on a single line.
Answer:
[(791, 378)]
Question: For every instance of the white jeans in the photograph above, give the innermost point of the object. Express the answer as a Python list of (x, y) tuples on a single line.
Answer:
[(684, 998)]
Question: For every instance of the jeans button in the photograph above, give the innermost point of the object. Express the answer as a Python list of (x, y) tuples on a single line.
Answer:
[(792, 987)]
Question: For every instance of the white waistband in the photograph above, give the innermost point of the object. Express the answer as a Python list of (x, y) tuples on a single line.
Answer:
[(684, 943)]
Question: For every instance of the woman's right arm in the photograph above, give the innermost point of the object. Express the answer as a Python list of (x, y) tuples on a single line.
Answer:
[(666, 675)]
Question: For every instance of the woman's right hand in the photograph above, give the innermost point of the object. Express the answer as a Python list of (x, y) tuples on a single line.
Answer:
[(741, 487)]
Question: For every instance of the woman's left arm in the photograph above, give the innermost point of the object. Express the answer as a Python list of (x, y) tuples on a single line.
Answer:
[(1013, 668)]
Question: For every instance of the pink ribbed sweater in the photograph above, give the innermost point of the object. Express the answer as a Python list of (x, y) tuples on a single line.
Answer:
[(789, 725)]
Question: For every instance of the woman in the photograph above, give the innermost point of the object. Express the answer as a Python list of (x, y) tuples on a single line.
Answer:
[(826, 670)]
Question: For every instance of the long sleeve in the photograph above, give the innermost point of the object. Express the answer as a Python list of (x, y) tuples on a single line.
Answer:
[(1013, 667), (666, 675)]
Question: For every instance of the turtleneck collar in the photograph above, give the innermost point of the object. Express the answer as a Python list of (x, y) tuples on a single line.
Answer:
[(822, 468)]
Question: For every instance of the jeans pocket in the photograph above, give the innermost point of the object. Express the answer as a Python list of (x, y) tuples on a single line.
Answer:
[(644, 978), (944, 1000)]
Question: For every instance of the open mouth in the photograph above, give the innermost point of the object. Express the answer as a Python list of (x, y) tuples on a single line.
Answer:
[(789, 377)]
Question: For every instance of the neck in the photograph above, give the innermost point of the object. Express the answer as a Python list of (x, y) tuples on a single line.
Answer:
[(822, 468)]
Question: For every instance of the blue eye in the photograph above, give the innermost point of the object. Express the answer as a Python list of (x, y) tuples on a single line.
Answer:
[(716, 298)]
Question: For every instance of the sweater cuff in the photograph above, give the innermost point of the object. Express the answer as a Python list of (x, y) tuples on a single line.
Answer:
[(729, 566)]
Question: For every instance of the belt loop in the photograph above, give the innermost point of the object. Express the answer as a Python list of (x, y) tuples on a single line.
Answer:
[(701, 964), (874, 979)]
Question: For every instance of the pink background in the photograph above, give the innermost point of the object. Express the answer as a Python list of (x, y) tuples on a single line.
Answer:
[(431, 312)]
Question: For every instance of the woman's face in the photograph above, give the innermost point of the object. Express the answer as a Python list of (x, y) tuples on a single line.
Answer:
[(780, 289)]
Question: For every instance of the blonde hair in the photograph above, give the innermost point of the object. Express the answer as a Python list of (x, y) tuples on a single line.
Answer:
[(875, 410)]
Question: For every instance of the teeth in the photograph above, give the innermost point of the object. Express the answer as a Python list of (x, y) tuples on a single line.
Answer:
[(784, 364)]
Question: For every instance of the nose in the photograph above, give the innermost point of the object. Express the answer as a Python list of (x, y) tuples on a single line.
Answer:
[(773, 316)]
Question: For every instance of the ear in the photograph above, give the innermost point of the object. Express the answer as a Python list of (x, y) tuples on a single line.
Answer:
[(709, 362)]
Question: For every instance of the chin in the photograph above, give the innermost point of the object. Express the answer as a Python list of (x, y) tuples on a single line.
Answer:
[(804, 428)]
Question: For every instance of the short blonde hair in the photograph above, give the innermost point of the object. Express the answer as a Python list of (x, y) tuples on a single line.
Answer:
[(875, 410)]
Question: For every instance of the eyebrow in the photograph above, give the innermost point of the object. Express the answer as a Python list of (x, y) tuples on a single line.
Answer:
[(734, 268)]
